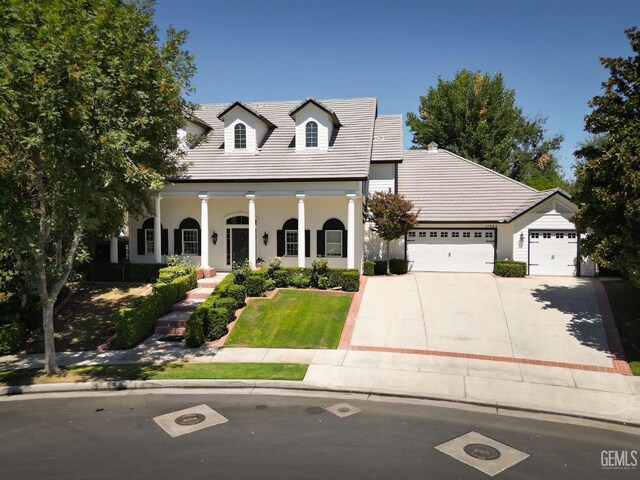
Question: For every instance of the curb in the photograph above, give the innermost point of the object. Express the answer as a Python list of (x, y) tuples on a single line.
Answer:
[(283, 386)]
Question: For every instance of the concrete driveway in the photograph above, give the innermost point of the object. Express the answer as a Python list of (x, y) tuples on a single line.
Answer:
[(539, 318)]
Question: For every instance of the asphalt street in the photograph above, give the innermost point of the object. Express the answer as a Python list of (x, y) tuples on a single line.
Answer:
[(282, 437)]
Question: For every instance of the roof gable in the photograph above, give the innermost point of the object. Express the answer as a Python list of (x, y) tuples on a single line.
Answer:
[(304, 103), (244, 106)]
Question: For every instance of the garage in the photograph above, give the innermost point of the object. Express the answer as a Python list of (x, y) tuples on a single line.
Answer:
[(451, 250), (553, 252)]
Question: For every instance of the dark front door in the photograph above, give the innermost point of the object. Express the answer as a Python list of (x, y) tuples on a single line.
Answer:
[(239, 245)]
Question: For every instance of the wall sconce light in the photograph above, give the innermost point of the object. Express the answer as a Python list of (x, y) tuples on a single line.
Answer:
[(521, 241), (265, 238), (214, 237)]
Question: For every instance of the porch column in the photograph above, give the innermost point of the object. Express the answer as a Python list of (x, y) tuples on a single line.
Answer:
[(157, 233), (114, 250), (204, 231), (301, 237), (351, 231), (252, 229)]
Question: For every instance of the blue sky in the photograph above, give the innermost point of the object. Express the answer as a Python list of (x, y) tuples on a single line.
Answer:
[(395, 50)]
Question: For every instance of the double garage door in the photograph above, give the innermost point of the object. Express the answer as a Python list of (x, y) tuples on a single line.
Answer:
[(553, 252), (451, 250)]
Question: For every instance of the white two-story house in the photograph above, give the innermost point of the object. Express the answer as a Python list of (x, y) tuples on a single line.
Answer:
[(289, 179)]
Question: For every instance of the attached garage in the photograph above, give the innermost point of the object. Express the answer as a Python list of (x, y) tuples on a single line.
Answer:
[(553, 252), (451, 250)]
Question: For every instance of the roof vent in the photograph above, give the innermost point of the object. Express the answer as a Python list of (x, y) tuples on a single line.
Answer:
[(432, 147)]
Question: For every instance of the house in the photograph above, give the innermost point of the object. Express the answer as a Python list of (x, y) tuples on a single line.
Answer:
[(288, 179)]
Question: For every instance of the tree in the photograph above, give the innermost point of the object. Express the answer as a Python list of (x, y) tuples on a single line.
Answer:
[(475, 116), (608, 171), (392, 217), (90, 103)]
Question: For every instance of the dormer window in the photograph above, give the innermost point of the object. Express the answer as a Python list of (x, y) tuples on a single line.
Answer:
[(311, 134), (240, 136)]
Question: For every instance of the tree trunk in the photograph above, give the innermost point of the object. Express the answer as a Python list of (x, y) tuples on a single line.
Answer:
[(50, 363), (388, 267)]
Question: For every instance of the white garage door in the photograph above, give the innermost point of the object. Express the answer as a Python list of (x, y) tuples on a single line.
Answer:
[(552, 252), (451, 250)]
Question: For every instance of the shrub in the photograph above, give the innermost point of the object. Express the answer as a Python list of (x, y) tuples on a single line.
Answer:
[(282, 278), (229, 304), (319, 268), (143, 272), (380, 267), (238, 293), (323, 282), (194, 334), (255, 285), (241, 271), (346, 278), (217, 321), (12, 336), (397, 266), (167, 274), (137, 323), (269, 284), (368, 267), (273, 266), (299, 280), (509, 268), (224, 284)]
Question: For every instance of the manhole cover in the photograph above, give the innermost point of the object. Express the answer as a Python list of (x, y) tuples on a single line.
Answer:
[(344, 409), (190, 419), (481, 451)]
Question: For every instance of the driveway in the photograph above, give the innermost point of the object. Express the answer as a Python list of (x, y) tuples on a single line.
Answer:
[(539, 318)]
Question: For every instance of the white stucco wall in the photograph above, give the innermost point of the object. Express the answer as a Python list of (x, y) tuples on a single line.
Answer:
[(325, 126), (271, 213), (382, 177)]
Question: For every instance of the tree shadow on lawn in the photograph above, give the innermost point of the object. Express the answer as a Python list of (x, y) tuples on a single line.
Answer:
[(585, 323)]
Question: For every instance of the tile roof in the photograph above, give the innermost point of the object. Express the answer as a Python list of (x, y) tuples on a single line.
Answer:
[(387, 139), (322, 106), (349, 153), (449, 188)]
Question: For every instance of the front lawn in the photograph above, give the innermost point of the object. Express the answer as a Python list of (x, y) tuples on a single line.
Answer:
[(89, 317), (167, 371), (292, 319), (625, 303)]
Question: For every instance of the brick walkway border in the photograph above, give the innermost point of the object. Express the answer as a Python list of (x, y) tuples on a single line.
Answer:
[(613, 338)]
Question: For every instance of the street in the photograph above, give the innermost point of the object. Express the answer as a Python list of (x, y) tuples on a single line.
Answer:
[(276, 437)]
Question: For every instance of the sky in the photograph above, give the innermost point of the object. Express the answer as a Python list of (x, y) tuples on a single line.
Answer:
[(547, 51)]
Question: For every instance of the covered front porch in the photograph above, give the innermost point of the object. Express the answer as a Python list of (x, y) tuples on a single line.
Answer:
[(216, 228)]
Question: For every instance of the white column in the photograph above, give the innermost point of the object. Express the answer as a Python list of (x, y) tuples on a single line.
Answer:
[(114, 250), (204, 231), (252, 230), (157, 234), (351, 231), (301, 237)]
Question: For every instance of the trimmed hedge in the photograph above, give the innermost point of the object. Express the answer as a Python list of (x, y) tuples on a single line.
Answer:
[(346, 278), (168, 274), (238, 293), (229, 305), (194, 334), (368, 267), (137, 323), (12, 336), (510, 268), (255, 285), (144, 272), (397, 266)]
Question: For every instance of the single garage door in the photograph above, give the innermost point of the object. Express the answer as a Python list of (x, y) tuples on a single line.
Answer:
[(451, 250), (553, 252)]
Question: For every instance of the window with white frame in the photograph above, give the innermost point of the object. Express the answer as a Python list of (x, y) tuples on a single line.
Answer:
[(466, 234), (422, 234), (571, 235), (433, 234), (546, 235), (333, 243), (311, 137), (559, 235), (455, 234), (190, 241), (477, 234), (444, 234), (291, 242), (534, 235), (148, 241), (488, 234), (240, 136)]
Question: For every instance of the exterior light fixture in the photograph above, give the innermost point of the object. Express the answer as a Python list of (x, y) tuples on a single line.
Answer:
[(265, 238), (214, 237)]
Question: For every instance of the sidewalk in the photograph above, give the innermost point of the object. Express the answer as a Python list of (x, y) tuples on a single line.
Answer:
[(607, 396)]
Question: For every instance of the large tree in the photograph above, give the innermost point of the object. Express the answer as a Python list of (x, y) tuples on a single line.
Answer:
[(608, 170), (476, 116), (90, 102)]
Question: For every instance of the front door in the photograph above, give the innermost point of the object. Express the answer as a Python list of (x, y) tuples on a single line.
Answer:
[(239, 245)]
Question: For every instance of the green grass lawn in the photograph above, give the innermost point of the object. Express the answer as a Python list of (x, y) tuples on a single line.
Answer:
[(292, 319), (167, 371), (625, 303)]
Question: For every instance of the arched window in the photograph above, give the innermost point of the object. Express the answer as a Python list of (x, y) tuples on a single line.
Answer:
[(240, 135), (187, 238), (312, 134), (332, 239), (146, 240), (288, 239)]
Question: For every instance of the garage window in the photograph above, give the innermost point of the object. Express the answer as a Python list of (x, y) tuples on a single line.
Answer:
[(477, 234), (444, 234), (535, 235), (455, 234), (466, 234), (559, 235), (422, 234), (546, 235), (412, 234), (433, 234), (488, 234), (571, 235)]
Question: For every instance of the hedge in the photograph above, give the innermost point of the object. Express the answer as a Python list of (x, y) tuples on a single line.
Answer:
[(368, 267), (194, 334), (346, 278), (238, 293), (229, 304), (143, 272), (509, 268), (12, 336), (137, 323), (255, 285), (397, 266), (168, 274)]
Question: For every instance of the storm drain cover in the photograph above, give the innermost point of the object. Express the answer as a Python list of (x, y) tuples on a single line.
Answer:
[(481, 451), (190, 419), (343, 410)]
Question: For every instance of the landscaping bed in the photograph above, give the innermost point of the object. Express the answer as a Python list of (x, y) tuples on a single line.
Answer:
[(624, 298), (167, 371), (292, 319)]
